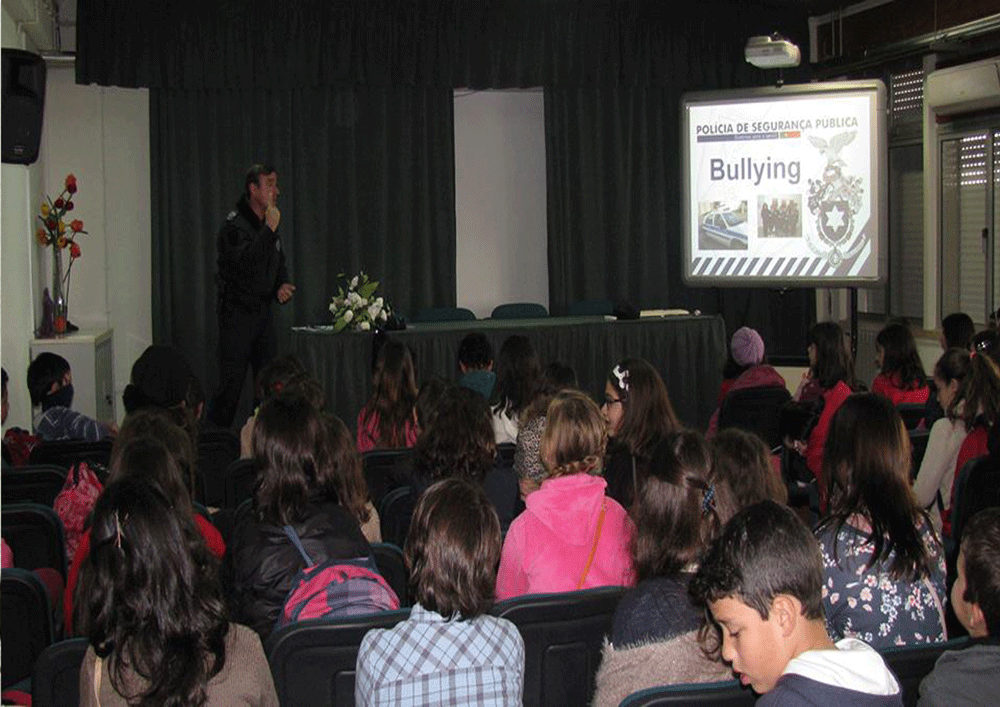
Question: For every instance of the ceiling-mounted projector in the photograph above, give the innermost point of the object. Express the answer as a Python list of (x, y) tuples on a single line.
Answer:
[(772, 52)]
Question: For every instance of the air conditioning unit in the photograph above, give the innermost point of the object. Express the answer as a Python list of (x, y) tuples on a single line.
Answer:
[(965, 88)]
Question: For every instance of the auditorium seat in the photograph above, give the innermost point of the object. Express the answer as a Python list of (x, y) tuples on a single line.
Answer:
[(977, 487), (378, 465), (55, 681), (756, 410), (563, 635), (912, 414), (911, 664), (65, 453), (240, 478), (714, 694), (26, 625), (519, 310), (444, 314), (217, 449), (392, 567), (35, 483), (394, 515), (313, 662), (505, 454), (35, 535)]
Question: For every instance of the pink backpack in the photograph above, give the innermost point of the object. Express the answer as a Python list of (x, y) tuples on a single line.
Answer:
[(75, 502), (335, 588)]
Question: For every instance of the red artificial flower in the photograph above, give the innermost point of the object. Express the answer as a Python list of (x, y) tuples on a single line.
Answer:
[(42, 236), (59, 324), (71, 184), (74, 250), (76, 225), (51, 223), (62, 241), (59, 203), (69, 205)]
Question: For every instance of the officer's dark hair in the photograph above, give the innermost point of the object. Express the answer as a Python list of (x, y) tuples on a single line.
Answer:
[(254, 174)]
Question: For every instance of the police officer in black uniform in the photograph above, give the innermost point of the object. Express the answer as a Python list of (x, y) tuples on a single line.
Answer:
[(251, 274)]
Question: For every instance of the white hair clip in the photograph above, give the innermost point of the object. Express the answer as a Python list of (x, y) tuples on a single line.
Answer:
[(622, 375)]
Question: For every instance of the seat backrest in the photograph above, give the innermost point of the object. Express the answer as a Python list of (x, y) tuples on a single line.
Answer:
[(911, 664), (912, 414), (378, 465), (444, 314), (35, 483), (217, 449), (918, 446), (25, 623), (519, 310), (35, 535), (392, 567), (55, 681), (313, 662), (240, 479), (714, 694), (505, 454), (394, 515), (563, 635), (977, 487), (756, 410), (65, 453)]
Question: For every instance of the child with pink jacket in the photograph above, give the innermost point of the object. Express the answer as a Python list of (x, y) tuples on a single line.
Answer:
[(571, 536)]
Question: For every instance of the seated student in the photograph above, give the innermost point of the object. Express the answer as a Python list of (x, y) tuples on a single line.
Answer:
[(274, 378), (460, 443), (50, 384), (155, 449), (742, 461), (750, 370), (450, 651), (654, 634), (17, 443), (475, 364), (527, 460), (571, 535), (519, 377), (901, 376), (957, 331), (151, 609), (762, 581), (970, 676), (883, 563), (296, 487), (387, 421), (352, 489), (932, 486), (639, 414)]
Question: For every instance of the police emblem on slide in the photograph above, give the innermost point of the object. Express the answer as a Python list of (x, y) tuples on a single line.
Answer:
[(834, 200)]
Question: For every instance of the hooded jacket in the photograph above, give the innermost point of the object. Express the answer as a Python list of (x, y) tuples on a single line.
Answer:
[(260, 560), (547, 546)]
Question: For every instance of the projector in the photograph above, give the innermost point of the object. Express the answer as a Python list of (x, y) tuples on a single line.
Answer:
[(772, 52)]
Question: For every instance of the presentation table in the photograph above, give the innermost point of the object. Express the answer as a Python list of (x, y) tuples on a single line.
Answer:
[(689, 352)]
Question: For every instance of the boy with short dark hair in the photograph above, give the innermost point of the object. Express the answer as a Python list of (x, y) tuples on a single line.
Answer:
[(762, 580), (50, 384), (971, 675), (475, 364)]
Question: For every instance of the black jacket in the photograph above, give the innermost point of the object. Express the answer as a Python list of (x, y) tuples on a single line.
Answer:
[(261, 561), (251, 264)]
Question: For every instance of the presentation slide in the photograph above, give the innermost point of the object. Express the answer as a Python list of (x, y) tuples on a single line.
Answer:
[(784, 187)]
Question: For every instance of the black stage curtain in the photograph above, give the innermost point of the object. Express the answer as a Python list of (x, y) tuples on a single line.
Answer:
[(443, 43), (367, 183)]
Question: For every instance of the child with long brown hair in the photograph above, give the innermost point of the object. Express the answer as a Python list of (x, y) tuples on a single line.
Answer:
[(387, 420), (349, 478), (901, 375), (883, 563)]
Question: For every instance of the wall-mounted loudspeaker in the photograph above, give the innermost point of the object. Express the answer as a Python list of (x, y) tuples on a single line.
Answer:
[(23, 99)]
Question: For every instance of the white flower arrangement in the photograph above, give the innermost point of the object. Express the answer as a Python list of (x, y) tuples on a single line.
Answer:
[(355, 306)]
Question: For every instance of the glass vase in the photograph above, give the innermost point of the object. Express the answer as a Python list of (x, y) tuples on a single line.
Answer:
[(59, 304)]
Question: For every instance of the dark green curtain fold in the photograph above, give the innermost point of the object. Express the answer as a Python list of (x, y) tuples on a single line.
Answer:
[(367, 183)]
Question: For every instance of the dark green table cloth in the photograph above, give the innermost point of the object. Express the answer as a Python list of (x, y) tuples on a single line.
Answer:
[(689, 352)]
